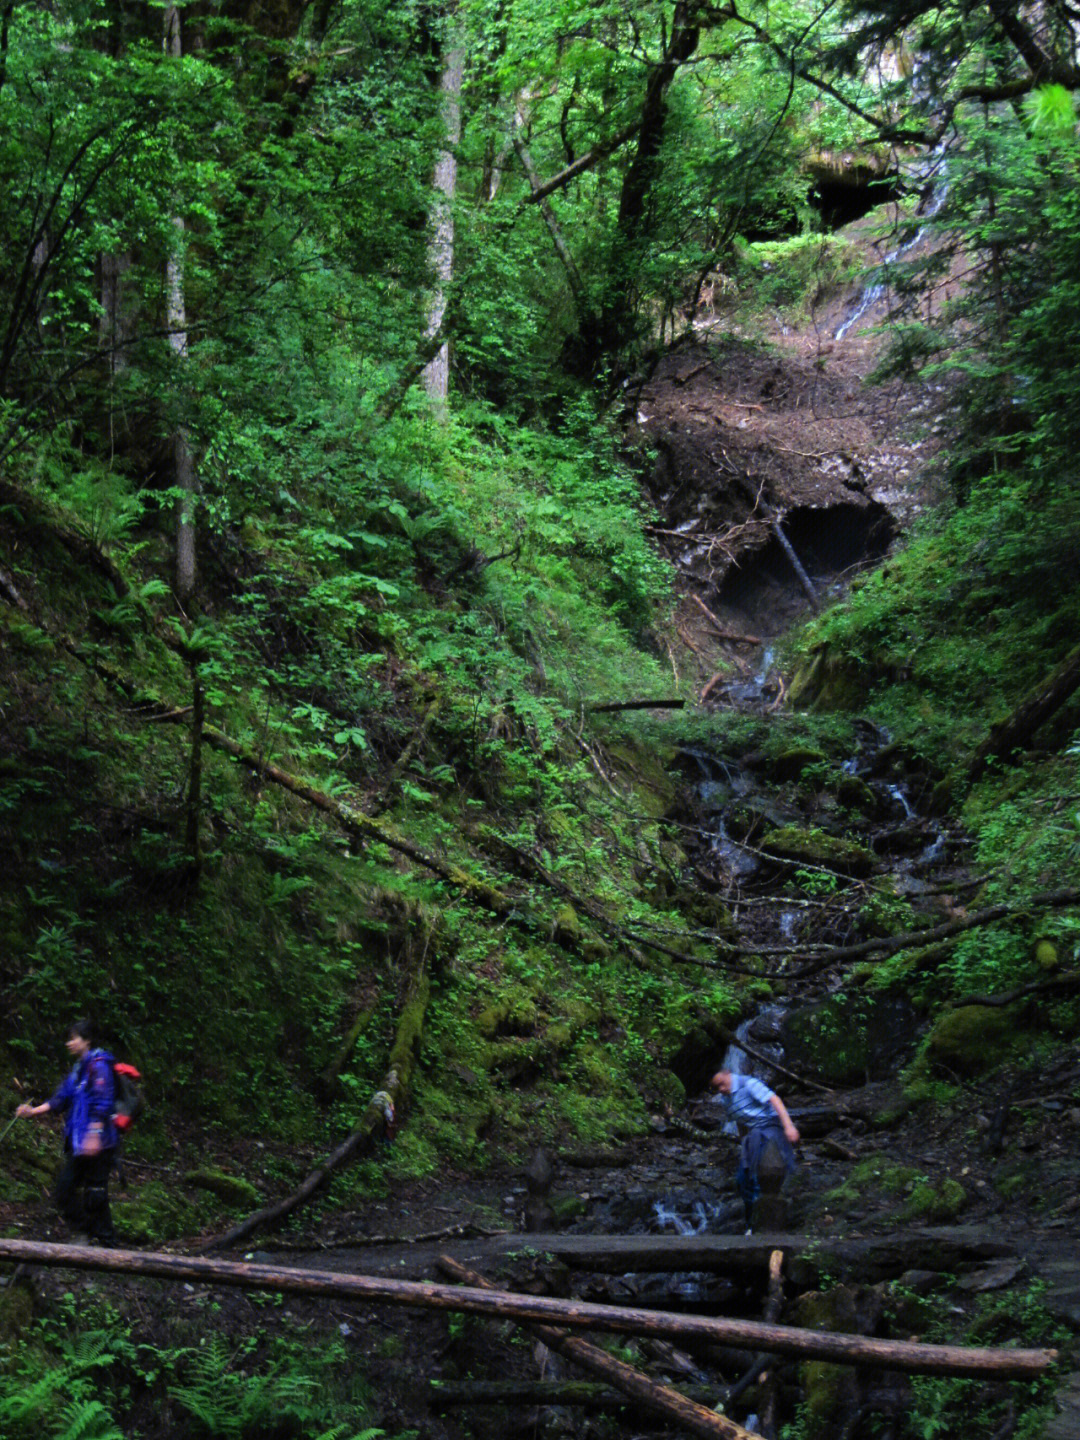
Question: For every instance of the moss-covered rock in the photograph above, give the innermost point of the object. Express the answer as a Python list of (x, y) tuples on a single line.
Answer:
[(855, 794), (847, 1039), (829, 680), (568, 929), (830, 1391), (815, 847), (936, 1203), (971, 1039), (790, 764), (1047, 956), (231, 1189)]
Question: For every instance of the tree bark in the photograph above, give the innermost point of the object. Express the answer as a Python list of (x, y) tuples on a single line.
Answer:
[(663, 1399), (586, 1394), (176, 326), (911, 1357), (441, 245), (558, 239), (940, 1248), (1033, 711)]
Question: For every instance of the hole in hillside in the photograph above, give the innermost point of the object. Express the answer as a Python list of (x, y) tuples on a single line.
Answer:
[(840, 202), (829, 543)]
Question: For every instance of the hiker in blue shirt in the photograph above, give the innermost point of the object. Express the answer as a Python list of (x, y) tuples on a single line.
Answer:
[(85, 1098), (761, 1116)]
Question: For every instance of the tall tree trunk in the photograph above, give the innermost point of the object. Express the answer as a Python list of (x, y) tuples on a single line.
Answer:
[(612, 327), (441, 244), (176, 325)]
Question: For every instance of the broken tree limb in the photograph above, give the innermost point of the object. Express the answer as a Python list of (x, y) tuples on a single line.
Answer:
[(1035, 709), (773, 1301), (710, 686), (361, 824), (912, 1357), (586, 1394), (652, 1394), (541, 190), (1048, 899), (1068, 981), (374, 1124), (615, 705), (796, 564)]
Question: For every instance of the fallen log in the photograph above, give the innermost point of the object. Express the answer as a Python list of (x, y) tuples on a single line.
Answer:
[(652, 1394), (585, 1394), (914, 1358), (615, 705), (808, 1258), (375, 1123), (1034, 710)]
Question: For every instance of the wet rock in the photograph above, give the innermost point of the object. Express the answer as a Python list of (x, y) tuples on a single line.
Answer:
[(855, 794), (991, 1277), (792, 763), (815, 847)]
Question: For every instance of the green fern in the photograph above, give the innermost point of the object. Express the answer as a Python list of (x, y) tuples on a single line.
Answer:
[(229, 1404), (87, 1420), (19, 1403)]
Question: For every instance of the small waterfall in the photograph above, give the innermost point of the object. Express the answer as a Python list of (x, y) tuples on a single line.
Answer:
[(697, 1222), (933, 851), (737, 861), (879, 284), (896, 792)]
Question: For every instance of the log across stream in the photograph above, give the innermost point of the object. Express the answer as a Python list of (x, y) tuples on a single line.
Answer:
[(912, 1357)]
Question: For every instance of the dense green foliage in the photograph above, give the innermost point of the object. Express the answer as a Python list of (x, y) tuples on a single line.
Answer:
[(404, 614)]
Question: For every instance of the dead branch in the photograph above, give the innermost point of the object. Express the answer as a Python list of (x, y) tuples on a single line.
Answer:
[(663, 1399), (1070, 981), (7, 587), (707, 691), (917, 939), (585, 1394), (375, 1123), (1035, 709), (615, 705)]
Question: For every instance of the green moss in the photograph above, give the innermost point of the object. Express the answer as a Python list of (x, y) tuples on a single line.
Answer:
[(230, 1189), (972, 1039), (828, 1390), (815, 847), (936, 1203), (567, 928), (790, 764), (855, 794)]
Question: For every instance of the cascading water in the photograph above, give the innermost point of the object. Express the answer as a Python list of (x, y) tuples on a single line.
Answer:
[(880, 281)]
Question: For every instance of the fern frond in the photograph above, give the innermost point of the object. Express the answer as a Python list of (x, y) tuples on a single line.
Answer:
[(87, 1420)]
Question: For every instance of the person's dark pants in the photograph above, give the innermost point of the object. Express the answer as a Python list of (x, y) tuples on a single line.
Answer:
[(82, 1194)]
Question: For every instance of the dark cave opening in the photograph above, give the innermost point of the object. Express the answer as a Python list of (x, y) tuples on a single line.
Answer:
[(831, 544)]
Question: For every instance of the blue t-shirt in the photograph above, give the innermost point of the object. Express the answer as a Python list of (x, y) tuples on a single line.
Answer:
[(749, 1102)]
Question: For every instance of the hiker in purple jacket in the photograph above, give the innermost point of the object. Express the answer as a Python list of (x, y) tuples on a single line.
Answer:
[(761, 1116), (85, 1098)]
